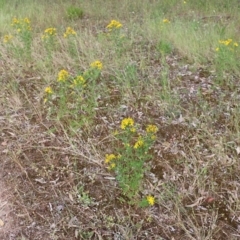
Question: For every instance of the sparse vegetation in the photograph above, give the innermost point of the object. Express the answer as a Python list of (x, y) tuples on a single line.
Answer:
[(121, 125)]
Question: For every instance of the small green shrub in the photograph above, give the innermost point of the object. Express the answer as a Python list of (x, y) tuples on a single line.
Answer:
[(74, 12)]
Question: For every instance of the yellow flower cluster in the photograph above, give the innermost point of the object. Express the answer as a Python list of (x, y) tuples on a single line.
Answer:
[(48, 90), (151, 128), (79, 81), (97, 64), (225, 42), (139, 143), (150, 200), (49, 32), (26, 20), (21, 24), (228, 42), (114, 24), (63, 75), (110, 160), (127, 122), (16, 21), (7, 38), (165, 20), (69, 32)]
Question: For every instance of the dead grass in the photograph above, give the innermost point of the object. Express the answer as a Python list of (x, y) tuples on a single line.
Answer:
[(59, 185)]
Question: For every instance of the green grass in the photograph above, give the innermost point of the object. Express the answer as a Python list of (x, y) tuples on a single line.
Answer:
[(155, 71)]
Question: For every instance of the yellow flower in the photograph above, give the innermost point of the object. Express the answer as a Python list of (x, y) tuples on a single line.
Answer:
[(151, 128), (69, 31), (109, 158), (79, 81), (115, 133), (127, 122), (153, 137), (51, 31), (235, 44), (225, 42), (151, 200), (26, 20), (63, 76), (97, 64), (15, 21), (21, 24), (139, 143), (133, 129), (165, 20), (228, 41), (111, 166), (48, 90), (114, 24), (217, 49), (7, 38)]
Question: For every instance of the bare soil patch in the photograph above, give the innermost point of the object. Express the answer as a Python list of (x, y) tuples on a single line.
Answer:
[(7, 225)]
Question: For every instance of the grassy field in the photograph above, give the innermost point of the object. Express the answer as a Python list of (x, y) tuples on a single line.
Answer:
[(120, 119)]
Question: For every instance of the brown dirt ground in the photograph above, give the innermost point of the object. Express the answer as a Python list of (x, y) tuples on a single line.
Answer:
[(6, 219)]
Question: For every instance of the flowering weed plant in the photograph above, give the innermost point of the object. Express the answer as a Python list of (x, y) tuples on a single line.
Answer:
[(7, 38), (70, 36), (129, 164), (226, 55), (114, 34), (24, 35), (114, 25), (49, 39), (72, 97)]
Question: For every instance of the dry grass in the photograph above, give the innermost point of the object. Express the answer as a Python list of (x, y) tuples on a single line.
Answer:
[(165, 74)]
